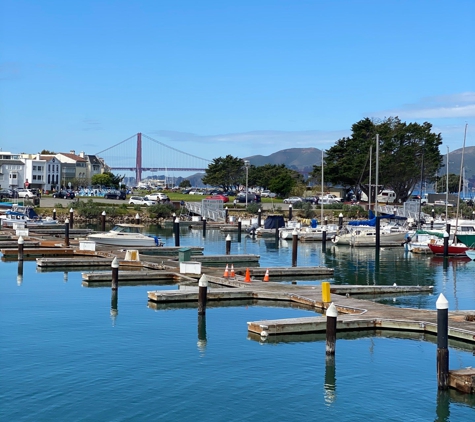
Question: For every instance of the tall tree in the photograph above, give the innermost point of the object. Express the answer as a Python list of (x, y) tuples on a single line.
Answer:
[(224, 172), (407, 152)]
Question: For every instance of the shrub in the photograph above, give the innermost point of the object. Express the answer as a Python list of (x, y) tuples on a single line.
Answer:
[(253, 208), (161, 210), (306, 210)]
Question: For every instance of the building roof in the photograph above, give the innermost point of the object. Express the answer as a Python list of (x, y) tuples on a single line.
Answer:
[(71, 156), (93, 159)]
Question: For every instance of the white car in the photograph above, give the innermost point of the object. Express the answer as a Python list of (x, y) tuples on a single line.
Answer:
[(329, 199), (25, 193), (157, 196), (267, 194), (141, 200), (293, 200)]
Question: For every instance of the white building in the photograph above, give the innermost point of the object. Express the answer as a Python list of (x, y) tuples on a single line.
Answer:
[(12, 171)]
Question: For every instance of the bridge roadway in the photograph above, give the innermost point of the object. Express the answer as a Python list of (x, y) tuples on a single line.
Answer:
[(354, 313)]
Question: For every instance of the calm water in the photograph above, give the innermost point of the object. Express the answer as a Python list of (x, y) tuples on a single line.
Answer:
[(65, 357)]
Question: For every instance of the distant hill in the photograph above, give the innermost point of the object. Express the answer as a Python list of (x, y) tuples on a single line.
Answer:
[(302, 159), (455, 157)]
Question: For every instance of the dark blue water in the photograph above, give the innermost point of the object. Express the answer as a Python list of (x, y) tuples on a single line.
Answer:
[(65, 357)]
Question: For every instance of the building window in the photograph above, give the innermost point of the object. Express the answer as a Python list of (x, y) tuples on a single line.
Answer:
[(34, 177)]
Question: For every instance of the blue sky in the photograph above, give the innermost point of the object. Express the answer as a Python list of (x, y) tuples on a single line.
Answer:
[(230, 77)]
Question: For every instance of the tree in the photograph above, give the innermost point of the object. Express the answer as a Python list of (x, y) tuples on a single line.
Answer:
[(185, 184), (106, 179), (453, 183), (407, 152), (278, 178), (47, 152), (226, 172)]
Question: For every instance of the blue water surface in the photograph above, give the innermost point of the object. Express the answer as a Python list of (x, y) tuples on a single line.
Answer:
[(66, 356)]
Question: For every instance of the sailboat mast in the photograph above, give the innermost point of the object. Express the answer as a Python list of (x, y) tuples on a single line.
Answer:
[(377, 174), (460, 181), (369, 183), (321, 202), (447, 188)]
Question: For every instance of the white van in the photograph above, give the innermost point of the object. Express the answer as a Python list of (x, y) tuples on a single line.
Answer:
[(387, 196)]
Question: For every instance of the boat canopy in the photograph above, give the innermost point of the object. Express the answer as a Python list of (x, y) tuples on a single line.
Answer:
[(372, 219), (274, 221)]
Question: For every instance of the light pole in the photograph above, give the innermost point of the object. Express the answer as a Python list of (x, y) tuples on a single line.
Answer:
[(247, 163)]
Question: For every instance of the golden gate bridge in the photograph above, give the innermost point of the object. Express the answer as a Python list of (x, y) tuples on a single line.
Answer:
[(153, 156)]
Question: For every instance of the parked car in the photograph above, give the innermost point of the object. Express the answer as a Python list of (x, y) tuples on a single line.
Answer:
[(330, 199), (158, 196), (6, 193), (141, 200), (116, 194), (26, 193), (251, 198), (311, 199), (219, 198), (268, 194), (64, 194), (293, 200)]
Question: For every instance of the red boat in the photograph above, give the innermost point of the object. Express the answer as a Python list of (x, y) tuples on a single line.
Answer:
[(456, 249)]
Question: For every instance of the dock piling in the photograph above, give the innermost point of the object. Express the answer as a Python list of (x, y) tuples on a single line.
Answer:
[(137, 218), (71, 218), (103, 221), (115, 273), (202, 340), (259, 217), (202, 293), (114, 302), (21, 242), (204, 226), (295, 241), (239, 226), (332, 315), (442, 306), (177, 231), (228, 245), (54, 214), (446, 244), (324, 237), (290, 212), (66, 232), (340, 221)]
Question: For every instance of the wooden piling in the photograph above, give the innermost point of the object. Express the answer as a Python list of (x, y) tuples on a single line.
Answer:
[(66, 232), (21, 242), (115, 273), (239, 225), (103, 221), (228, 245), (54, 214), (177, 231), (295, 241), (259, 217), (378, 232), (442, 306), (332, 315), (340, 221), (71, 218), (202, 294), (446, 244), (324, 237), (204, 226), (226, 215), (290, 212)]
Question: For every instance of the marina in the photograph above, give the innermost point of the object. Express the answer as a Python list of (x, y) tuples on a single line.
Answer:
[(382, 299)]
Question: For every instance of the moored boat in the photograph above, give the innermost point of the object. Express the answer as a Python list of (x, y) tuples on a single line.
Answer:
[(125, 235), (470, 253), (454, 249)]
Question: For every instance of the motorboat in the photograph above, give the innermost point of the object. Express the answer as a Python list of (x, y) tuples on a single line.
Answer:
[(125, 235), (418, 241), (309, 234), (26, 216), (368, 238), (454, 249), (470, 253)]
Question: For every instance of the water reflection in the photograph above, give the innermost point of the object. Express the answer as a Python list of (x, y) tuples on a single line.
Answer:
[(330, 380), (442, 409), (19, 277), (202, 340)]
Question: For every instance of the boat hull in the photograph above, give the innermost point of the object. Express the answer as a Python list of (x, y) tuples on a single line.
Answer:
[(454, 250), (122, 240)]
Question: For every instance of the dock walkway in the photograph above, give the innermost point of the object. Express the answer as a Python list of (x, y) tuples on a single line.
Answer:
[(354, 313)]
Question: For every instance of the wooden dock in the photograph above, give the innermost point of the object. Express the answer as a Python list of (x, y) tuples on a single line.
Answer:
[(354, 314)]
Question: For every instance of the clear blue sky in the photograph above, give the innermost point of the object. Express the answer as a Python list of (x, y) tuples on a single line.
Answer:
[(230, 77)]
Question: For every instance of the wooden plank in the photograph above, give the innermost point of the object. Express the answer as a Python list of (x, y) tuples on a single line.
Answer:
[(377, 290), (132, 275), (68, 262), (10, 253), (463, 380)]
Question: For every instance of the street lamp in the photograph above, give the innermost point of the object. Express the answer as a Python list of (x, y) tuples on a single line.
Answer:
[(247, 163)]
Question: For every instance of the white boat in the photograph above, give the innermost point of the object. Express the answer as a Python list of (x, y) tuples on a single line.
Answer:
[(470, 253), (125, 235), (418, 242), (307, 234), (368, 238), (26, 216)]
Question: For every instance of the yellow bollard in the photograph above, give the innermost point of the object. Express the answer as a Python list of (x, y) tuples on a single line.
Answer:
[(326, 296)]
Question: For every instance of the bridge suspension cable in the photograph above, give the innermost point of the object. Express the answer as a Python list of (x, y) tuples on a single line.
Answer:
[(116, 145), (175, 149)]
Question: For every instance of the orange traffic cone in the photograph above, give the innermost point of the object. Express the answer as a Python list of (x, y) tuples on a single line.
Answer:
[(266, 277), (232, 274), (247, 279), (226, 272)]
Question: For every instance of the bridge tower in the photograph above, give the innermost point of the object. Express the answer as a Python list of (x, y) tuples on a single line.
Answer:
[(138, 160)]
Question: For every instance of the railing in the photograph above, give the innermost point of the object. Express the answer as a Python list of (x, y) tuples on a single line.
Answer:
[(213, 214), (408, 211)]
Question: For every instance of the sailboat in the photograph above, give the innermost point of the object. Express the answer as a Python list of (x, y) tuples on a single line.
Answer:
[(455, 248)]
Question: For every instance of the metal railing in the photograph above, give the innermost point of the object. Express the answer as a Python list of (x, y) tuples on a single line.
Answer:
[(210, 213)]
